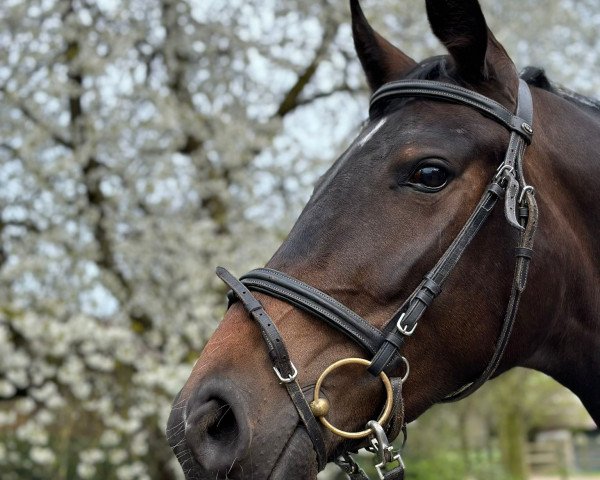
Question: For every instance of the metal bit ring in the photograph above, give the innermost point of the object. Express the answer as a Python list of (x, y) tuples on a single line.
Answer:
[(320, 410)]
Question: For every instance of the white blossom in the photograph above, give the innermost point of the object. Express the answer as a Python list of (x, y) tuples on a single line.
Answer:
[(109, 438), (92, 456), (137, 153), (86, 470), (42, 455), (7, 389), (117, 457), (134, 471)]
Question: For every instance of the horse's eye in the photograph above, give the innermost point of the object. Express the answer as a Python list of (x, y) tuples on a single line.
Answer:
[(430, 178)]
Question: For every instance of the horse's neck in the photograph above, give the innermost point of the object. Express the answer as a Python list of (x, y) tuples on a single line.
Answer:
[(565, 281)]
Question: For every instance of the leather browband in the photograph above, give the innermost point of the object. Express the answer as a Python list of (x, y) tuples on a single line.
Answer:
[(453, 93)]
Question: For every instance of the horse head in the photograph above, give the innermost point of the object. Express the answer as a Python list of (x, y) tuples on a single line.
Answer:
[(379, 219)]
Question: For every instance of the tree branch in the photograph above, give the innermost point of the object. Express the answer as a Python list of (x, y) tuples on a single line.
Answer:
[(292, 98), (321, 95), (91, 171), (29, 113)]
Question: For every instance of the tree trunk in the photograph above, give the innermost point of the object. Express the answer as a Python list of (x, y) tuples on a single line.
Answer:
[(513, 444), (464, 439)]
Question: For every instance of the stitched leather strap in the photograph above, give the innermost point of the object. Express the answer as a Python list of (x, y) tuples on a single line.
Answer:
[(315, 302), (455, 94), (518, 286), (280, 359), (275, 344), (505, 184), (396, 423), (310, 422), (410, 313)]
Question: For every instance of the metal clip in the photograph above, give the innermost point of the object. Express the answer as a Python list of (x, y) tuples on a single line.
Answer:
[(380, 445), (288, 379), (347, 464)]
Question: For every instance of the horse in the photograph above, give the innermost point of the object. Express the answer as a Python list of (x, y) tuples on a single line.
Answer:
[(406, 210)]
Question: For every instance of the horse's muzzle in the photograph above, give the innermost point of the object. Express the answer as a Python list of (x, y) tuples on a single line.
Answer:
[(210, 431)]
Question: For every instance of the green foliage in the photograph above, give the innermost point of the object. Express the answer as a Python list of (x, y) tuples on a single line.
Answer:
[(437, 466), (444, 464)]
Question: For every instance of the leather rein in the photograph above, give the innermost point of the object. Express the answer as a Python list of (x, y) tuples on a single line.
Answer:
[(383, 346)]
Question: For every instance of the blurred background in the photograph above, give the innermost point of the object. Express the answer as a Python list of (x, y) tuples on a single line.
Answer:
[(144, 142)]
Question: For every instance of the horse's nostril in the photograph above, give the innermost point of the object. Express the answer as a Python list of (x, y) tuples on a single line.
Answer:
[(224, 428), (216, 426)]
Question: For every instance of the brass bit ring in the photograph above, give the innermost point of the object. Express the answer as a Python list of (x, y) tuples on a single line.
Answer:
[(320, 406)]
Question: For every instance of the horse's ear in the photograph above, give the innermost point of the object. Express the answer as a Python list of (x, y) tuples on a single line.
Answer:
[(461, 27), (381, 61)]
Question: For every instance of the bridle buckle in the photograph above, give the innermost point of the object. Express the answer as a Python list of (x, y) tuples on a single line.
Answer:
[(290, 378), (527, 188), (403, 328), (503, 168)]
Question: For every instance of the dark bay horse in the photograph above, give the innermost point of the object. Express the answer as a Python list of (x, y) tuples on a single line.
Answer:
[(378, 220)]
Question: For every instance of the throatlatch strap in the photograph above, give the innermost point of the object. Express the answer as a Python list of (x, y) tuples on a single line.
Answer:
[(281, 361), (407, 317), (518, 286)]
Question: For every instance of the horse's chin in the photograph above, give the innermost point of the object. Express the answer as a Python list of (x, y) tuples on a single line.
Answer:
[(297, 460)]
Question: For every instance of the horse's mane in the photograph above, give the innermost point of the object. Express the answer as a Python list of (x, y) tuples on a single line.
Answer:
[(536, 77), (435, 68)]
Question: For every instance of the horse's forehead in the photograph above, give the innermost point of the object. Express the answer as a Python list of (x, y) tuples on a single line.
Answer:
[(420, 121), (420, 128), (369, 132), (423, 124)]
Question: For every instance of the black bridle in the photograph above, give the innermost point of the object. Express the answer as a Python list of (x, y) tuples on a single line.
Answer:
[(384, 345)]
